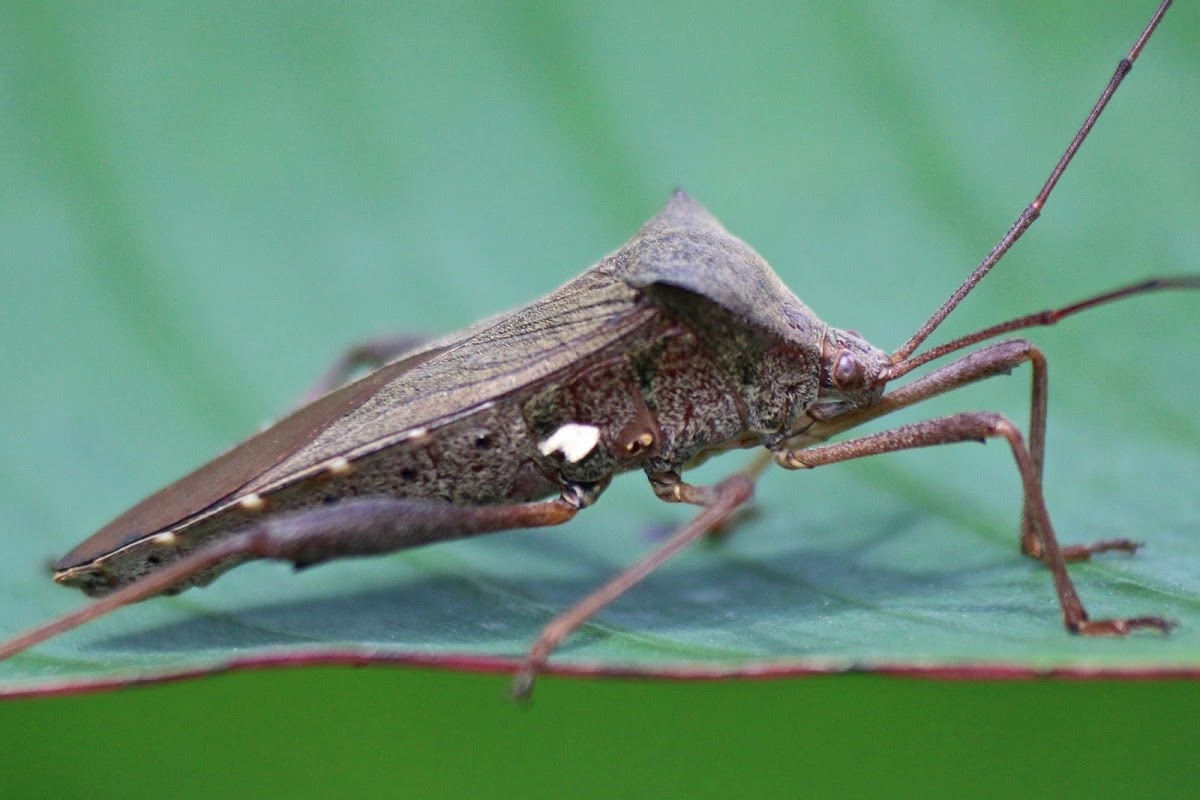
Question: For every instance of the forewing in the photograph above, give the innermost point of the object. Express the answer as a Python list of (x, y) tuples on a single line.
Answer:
[(527, 347), (231, 470), (444, 381)]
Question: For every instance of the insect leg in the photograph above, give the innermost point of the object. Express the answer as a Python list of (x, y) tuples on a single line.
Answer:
[(354, 527), (671, 488), (999, 358), (719, 501), (370, 354), (980, 426)]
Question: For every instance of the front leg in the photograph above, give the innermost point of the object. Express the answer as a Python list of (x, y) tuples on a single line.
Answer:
[(995, 359), (980, 426)]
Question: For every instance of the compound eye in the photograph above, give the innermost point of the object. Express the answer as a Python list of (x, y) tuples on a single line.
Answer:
[(848, 371)]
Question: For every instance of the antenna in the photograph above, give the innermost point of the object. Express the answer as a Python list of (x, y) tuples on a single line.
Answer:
[(1034, 209)]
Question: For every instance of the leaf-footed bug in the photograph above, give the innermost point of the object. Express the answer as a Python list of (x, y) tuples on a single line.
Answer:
[(680, 345)]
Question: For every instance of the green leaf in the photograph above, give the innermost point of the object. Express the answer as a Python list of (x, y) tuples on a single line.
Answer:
[(202, 211)]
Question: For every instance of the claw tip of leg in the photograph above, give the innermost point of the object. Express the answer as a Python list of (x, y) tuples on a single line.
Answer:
[(522, 686)]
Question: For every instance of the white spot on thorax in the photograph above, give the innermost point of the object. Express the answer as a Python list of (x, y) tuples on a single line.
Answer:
[(573, 440)]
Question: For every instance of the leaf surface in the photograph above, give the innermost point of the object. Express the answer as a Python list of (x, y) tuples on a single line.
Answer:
[(202, 211)]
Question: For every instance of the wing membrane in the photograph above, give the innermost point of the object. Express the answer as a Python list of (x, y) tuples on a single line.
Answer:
[(517, 350)]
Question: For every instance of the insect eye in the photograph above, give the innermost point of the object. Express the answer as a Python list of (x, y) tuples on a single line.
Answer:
[(847, 371)]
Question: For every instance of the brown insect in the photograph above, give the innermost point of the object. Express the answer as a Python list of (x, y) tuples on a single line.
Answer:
[(680, 345)]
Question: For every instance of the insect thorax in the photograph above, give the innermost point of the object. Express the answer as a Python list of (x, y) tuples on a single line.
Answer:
[(695, 383)]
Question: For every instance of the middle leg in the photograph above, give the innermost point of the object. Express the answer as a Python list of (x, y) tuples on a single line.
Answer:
[(720, 502)]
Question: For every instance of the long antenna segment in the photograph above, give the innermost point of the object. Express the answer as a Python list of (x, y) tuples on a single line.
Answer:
[(1034, 209)]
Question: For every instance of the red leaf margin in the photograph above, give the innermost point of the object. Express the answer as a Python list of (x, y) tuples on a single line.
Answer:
[(464, 662)]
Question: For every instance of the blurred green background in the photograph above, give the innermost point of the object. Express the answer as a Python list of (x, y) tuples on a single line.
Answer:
[(203, 205)]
